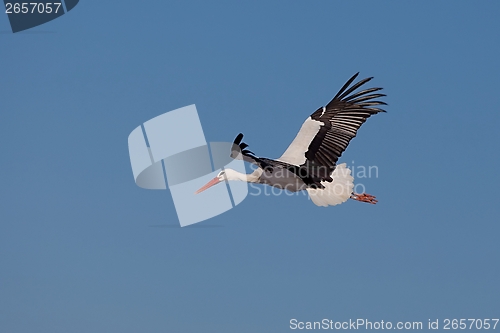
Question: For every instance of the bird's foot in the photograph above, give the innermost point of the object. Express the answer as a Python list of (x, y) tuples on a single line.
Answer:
[(364, 197)]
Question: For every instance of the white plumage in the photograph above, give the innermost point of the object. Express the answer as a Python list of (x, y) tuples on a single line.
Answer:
[(294, 154), (335, 192)]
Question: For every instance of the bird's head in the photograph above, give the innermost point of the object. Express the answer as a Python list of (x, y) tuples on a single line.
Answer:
[(219, 178), (227, 174)]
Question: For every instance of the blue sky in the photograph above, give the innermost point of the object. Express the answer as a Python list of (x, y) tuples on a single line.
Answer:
[(83, 249)]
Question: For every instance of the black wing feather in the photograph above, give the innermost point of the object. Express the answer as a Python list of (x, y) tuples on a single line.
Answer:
[(249, 156), (341, 118)]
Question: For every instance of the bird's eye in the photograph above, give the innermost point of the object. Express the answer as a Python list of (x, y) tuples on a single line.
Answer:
[(222, 173)]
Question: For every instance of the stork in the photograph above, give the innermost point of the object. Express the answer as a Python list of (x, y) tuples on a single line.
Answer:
[(310, 162)]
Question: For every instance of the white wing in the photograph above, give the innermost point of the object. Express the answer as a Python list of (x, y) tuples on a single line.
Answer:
[(327, 132)]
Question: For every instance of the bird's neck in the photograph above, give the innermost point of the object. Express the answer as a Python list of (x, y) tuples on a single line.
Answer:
[(254, 176), (249, 178)]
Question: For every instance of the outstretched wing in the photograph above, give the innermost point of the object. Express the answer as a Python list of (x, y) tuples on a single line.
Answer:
[(327, 132)]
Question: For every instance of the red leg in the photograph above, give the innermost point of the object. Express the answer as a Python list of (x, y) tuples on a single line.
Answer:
[(364, 197)]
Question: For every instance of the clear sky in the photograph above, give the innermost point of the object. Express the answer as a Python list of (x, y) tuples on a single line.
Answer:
[(83, 249)]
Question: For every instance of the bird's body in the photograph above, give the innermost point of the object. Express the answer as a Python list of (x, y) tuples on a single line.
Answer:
[(310, 162), (280, 177)]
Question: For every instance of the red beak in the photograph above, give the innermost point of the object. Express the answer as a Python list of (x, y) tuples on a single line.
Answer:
[(208, 185)]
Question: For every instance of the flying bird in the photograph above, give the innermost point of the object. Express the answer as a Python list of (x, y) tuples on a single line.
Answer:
[(310, 162)]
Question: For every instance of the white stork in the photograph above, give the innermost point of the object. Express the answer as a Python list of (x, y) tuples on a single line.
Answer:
[(310, 162)]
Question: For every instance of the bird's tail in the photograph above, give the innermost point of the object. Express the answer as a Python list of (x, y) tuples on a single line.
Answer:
[(335, 192)]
